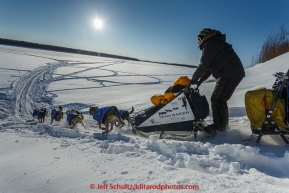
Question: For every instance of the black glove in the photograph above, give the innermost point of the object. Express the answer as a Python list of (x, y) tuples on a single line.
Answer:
[(198, 83), (188, 86), (193, 81)]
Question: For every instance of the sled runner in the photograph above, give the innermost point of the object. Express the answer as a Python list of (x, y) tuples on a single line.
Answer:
[(268, 109), (182, 117)]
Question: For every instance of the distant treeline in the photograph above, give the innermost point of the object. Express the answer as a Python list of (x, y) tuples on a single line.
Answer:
[(173, 64), (74, 51), (275, 45), (59, 49)]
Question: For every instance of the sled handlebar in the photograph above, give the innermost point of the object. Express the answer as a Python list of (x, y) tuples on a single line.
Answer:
[(284, 78), (187, 90)]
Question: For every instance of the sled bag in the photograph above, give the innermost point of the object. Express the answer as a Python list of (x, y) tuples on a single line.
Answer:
[(200, 106), (256, 103), (144, 115)]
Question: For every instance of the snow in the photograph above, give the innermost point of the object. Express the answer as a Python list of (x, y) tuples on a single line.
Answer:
[(43, 157)]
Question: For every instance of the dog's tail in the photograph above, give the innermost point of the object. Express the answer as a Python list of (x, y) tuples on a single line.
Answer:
[(132, 110)]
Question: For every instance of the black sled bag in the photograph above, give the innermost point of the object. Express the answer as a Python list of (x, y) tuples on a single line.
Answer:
[(200, 105)]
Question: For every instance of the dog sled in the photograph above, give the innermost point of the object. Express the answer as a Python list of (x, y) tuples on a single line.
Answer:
[(180, 118), (268, 109)]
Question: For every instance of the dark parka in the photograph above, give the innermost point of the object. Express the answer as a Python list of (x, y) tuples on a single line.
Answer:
[(218, 59)]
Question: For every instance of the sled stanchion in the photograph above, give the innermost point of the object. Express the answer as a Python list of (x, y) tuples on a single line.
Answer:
[(259, 138), (165, 126), (287, 103), (284, 138)]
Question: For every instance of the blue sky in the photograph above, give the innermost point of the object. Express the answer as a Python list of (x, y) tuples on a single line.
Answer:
[(155, 30)]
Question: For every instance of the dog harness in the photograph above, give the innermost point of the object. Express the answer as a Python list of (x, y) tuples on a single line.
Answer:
[(53, 116), (122, 112), (70, 117), (36, 112), (99, 114)]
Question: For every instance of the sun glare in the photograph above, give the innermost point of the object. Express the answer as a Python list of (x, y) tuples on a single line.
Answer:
[(97, 23)]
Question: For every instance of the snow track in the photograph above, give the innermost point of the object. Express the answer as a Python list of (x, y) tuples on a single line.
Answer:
[(29, 90)]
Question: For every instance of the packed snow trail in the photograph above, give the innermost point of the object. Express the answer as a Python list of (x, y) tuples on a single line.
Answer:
[(30, 88)]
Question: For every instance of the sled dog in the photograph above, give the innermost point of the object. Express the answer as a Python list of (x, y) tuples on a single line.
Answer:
[(73, 117), (106, 115), (56, 115), (124, 114), (40, 114)]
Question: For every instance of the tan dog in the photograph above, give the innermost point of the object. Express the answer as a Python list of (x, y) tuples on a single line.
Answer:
[(56, 115), (73, 117), (124, 114), (106, 115)]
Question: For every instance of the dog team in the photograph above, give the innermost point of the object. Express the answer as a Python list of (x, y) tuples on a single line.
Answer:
[(108, 116)]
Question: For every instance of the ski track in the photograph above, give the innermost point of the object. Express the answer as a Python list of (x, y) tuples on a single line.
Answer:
[(30, 90)]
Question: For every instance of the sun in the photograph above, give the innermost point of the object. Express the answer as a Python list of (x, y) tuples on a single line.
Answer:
[(97, 23)]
